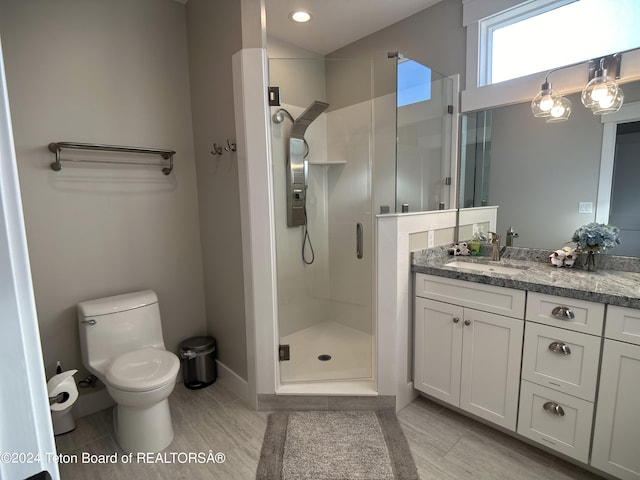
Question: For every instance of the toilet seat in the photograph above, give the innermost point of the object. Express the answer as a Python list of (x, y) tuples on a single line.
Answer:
[(143, 370)]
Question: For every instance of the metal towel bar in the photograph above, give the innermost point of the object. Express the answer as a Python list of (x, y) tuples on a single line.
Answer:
[(55, 147)]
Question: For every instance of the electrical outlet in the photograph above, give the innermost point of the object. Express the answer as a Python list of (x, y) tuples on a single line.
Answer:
[(585, 207), (430, 238)]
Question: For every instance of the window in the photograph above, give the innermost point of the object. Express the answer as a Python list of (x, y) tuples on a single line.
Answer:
[(544, 34), (414, 82)]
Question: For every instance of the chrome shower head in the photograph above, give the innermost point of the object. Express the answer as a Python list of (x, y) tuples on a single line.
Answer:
[(309, 115)]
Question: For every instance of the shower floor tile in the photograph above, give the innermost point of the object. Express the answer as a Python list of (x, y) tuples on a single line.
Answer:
[(350, 351)]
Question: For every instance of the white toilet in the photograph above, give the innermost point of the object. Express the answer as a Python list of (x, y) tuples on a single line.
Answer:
[(121, 342)]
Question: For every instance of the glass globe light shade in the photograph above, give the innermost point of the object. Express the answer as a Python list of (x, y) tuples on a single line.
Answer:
[(560, 111), (608, 104), (600, 89), (544, 101)]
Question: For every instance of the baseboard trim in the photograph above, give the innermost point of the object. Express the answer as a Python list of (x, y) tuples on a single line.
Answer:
[(233, 381)]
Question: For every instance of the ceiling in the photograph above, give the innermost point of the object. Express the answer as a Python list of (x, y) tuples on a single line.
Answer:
[(336, 23)]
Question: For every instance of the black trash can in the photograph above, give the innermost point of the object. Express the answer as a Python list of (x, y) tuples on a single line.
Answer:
[(198, 359)]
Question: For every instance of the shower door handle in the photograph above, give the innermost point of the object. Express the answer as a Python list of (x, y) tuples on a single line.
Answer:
[(359, 239)]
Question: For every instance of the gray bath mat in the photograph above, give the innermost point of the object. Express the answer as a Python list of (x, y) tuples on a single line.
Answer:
[(332, 445)]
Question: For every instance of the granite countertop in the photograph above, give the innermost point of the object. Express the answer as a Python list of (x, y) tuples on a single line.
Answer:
[(616, 282)]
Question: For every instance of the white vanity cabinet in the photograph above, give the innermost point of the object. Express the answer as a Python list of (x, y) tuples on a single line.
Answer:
[(468, 344), (616, 437), (560, 363), (564, 375)]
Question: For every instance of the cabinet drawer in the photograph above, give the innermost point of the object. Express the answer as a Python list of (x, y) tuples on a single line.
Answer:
[(555, 419), (623, 324), (579, 315), (561, 359), (488, 298)]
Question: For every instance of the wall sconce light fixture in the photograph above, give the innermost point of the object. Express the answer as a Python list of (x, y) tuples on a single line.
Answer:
[(602, 94)]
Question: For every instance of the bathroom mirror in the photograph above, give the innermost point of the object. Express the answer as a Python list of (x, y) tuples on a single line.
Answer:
[(543, 176)]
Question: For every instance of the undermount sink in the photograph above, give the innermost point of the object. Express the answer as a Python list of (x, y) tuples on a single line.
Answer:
[(491, 267)]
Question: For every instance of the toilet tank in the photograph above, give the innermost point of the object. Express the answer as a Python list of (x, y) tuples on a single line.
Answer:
[(115, 325)]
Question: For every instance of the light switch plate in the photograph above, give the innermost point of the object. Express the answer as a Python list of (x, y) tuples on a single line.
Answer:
[(585, 207)]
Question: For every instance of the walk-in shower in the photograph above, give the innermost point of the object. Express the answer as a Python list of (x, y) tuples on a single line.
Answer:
[(322, 191), (327, 186)]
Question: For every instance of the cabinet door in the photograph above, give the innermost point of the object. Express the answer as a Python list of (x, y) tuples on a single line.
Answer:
[(623, 324), (438, 347), (616, 439), (491, 353)]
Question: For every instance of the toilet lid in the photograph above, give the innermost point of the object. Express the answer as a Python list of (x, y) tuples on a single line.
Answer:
[(142, 370)]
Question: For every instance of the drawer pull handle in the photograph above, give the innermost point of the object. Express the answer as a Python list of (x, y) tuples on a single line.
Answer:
[(456, 319), (563, 313), (559, 347), (553, 407)]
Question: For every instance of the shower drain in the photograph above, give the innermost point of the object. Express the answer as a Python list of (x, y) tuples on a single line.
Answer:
[(324, 357)]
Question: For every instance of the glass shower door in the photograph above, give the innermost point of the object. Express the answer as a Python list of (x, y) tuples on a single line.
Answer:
[(324, 265)]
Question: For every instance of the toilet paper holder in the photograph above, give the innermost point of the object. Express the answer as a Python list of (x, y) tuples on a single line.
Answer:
[(61, 397)]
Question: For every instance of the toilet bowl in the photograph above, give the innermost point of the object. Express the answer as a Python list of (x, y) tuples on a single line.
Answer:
[(140, 383), (121, 342)]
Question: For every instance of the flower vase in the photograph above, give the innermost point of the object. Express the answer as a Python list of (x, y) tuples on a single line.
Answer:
[(590, 261)]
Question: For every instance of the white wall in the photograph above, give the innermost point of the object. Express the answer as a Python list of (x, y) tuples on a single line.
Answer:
[(115, 73), (215, 34)]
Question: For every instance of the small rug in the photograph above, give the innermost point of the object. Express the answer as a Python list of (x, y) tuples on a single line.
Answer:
[(335, 445)]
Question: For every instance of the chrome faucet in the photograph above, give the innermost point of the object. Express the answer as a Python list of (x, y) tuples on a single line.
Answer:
[(495, 246), (511, 234)]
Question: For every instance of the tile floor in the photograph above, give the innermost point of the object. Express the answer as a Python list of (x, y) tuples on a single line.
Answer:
[(445, 445)]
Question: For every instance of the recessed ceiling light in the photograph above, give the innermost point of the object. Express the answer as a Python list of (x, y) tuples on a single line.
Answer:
[(300, 16)]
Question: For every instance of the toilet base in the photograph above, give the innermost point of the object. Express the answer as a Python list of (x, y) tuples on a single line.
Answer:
[(142, 430)]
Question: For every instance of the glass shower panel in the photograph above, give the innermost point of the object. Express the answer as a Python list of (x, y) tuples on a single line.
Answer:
[(322, 160), (424, 129)]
